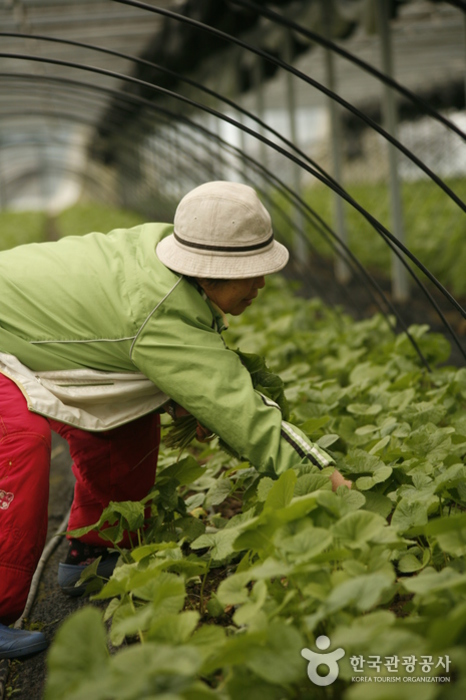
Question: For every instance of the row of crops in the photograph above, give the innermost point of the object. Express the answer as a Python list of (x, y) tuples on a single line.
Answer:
[(235, 574), (434, 230), (433, 227), (20, 227)]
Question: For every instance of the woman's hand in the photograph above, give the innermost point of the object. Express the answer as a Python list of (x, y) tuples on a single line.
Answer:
[(176, 411), (338, 479), (203, 434)]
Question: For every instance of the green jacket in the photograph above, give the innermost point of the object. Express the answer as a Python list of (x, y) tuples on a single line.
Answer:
[(106, 303)]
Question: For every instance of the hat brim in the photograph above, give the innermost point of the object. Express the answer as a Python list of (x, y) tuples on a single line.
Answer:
[(222, 266)]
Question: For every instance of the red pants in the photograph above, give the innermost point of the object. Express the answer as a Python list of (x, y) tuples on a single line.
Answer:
[(115, 465)]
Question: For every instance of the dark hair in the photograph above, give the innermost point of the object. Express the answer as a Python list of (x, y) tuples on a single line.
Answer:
[(212, 282)]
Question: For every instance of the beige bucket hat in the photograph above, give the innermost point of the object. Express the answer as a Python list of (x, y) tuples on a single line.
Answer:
[(222, 231)]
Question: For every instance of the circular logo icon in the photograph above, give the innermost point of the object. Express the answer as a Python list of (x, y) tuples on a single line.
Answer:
[(329, 659)]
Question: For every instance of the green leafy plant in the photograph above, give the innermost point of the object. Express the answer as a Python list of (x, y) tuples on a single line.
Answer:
[(231, 574)]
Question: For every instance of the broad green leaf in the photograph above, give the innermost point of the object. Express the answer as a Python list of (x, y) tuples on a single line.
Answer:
[(146, 550), (129, 621), (221, 543), (150, 669), (282, 491), (130, 578), (190, 527), (431, 581), (214, 607), (364, 409), (128, 516), (358, 527), (89, 572), (351, 499), (361, 592), (361, 462), (312, 425), (132, 513), (366, 373), (173, 628), (424, 495), (382, 474), (186, 471), (364, 630), (220, 490), (307, 483), (409, 564), (423, 412), (233, 591), (108, 515), (402, 430), (378, 503), (207, 639), (242, 684), (269, 569), (367, 429), (278, 660), (429, 440), (298, 508), (258, 533), (401, 399), (121, 580), (263, 489), (365, 483), (421, 480), (185, 566), (387, 425), (340, 504), (246, 613), (443, 525), (111, 608), (306, 544), (354, 567), (327, 440), (461, 488), (166, 592), (380, 445), (409, 514), (81, 638), (235, 651), (260, 538), (453, 542), (195, 501), (197, 691), (445, 631), (450, 477)]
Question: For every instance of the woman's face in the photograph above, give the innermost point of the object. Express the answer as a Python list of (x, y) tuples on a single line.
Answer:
[(233, 296)]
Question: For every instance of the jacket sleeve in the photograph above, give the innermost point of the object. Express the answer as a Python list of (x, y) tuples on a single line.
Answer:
[(187, 359)]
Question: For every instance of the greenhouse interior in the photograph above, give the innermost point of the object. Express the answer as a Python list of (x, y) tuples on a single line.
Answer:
[(244, 572)]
